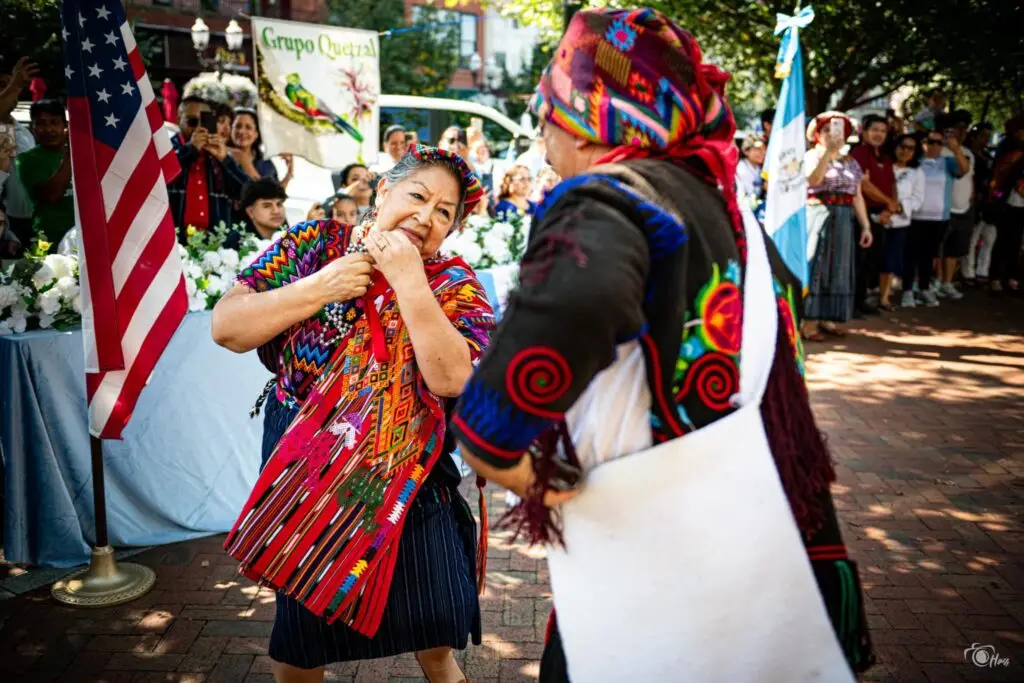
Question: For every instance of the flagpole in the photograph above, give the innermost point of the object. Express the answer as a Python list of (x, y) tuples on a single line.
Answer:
[(104, 583)]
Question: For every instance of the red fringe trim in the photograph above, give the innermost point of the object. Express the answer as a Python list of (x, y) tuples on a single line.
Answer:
[(531, 519), (799, 448), (481, 551)]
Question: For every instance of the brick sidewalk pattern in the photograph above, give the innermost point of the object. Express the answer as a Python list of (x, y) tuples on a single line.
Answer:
[(925, 416)]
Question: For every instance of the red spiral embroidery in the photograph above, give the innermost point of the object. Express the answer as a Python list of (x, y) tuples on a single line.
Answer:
[(536, 377), (715, 378)]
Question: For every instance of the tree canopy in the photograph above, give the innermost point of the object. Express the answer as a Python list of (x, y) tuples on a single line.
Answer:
[(855, 50), (418, 62)]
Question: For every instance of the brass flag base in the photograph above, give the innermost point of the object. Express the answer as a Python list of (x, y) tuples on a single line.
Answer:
[(104, 582)]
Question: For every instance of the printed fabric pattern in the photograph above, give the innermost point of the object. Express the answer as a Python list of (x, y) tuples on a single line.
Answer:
[(323, 521), (304, 349)]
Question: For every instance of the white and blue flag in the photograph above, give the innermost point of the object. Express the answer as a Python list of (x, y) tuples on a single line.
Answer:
[(785, 215)]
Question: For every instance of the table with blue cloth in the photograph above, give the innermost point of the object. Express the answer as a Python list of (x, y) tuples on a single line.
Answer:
[(186, 464), (188, 460)]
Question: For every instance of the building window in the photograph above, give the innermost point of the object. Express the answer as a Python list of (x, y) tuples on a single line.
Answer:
[(467, 26), (499, 60), (467, 38)]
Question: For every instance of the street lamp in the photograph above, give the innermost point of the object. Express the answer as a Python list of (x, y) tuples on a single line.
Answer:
[(200, 35), (233, 36)]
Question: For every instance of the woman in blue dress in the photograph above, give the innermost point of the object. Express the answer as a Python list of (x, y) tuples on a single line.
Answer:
[(514, 197)]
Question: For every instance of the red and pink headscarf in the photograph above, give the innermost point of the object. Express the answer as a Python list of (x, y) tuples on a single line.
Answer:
[(636, 81)]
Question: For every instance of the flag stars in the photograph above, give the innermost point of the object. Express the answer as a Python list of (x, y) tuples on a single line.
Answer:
[(87, 45), (68, 71), (95, 70), (81, 19), (111, 38), (103, 95), (120, 64), (111, 120), (127, 89), (102, 13), (64, 34)]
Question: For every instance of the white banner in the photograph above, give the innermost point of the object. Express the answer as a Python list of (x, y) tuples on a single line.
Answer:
[(318, 90)]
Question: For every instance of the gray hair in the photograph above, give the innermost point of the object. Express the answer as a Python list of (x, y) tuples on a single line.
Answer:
[(409, 164)]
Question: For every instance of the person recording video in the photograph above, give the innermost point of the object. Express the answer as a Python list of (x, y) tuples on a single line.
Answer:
[(211, 180)]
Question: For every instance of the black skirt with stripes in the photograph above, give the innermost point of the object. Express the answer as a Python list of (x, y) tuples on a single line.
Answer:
[(433, 599)]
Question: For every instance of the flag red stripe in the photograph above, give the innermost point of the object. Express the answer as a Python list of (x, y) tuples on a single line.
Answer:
[(146, 268), (94, 242), (136, 190), (138, 67), (156, 341)]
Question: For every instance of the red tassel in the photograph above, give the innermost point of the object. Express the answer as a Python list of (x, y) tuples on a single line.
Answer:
[(481, 551), (798, 446)]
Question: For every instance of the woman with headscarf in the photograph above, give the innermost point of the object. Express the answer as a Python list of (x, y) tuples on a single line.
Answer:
[(837, 223), (652, 345), (356, 520)]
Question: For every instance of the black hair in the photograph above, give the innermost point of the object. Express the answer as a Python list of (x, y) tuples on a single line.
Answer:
[(872, 119), (348, 169), (195, 99), (51, 106), (944, 121), (768, 116), (961, 117), (916, 159), (257, 152), (263, 188), (221, 109), (391, 130)]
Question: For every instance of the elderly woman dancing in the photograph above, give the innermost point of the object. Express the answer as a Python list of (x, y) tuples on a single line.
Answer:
[(653, 345), (356, 520)]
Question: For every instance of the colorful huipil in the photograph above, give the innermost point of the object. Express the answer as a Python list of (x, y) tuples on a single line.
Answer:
[(323, 521)]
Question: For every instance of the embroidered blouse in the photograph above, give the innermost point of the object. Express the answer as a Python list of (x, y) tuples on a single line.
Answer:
[(612, 259), (842, 177)]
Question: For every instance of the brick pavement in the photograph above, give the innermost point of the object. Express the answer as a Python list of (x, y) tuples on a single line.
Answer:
[(925, 418)]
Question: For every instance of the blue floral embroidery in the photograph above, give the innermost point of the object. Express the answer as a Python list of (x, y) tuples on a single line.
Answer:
[(621, 35)]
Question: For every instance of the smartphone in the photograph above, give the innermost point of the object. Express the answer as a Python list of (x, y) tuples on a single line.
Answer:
[(477, 123), (837, 128), (208, 120)]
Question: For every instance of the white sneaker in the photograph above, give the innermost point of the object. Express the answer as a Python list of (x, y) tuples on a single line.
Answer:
[(950, 291), (935, 286), (930, 300), (908, 300)]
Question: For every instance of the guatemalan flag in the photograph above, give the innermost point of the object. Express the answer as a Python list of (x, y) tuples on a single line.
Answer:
[(785, 214)]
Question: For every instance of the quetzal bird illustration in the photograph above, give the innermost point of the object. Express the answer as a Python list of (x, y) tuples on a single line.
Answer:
[(313, 106)]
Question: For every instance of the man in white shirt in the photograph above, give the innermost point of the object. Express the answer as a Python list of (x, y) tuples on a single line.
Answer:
[(956, 244)]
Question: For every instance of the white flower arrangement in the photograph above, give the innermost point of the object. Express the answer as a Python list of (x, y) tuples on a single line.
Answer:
[(41, 290), (488, 242)]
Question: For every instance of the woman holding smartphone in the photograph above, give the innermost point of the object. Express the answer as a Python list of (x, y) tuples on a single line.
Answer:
[(835, 208)]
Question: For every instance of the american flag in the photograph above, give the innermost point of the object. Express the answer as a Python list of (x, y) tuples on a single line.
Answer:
[(133, 291)]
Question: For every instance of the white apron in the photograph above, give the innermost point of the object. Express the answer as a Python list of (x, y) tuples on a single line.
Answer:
[(683, 563)]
